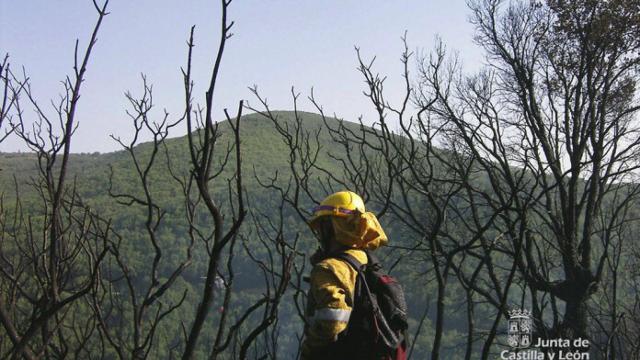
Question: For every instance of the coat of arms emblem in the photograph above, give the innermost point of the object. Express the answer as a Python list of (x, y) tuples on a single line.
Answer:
[(519, 329)]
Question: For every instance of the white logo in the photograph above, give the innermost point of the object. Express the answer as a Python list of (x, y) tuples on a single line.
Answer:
[(519, 330)]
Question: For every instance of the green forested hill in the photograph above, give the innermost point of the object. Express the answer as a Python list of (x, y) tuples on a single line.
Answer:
[(264, 154)]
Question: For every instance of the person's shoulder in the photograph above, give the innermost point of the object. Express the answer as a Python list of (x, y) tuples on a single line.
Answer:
[(334, 264), (335, 271), (359, 254), (329, 264)]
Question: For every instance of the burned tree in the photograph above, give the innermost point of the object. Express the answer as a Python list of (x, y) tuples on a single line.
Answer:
[(551, 122), (70, 285), (216, 206), (50, 258), (8, 95)]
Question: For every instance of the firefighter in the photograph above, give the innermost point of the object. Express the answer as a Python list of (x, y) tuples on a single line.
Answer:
[(341, 224)]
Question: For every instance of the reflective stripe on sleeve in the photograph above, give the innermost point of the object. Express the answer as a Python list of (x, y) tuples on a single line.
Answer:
[(332, 314)]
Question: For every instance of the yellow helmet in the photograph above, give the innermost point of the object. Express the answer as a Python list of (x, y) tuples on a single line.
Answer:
[(341, 204), (352, 225)]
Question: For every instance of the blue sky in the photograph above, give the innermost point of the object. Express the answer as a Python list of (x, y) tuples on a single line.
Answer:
[(276, 44)]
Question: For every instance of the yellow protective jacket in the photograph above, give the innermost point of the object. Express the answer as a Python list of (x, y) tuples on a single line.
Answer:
[(329, 303)]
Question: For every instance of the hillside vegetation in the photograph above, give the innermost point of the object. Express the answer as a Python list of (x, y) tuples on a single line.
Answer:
[(265, 157)]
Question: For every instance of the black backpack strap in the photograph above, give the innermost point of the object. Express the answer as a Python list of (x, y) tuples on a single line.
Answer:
[(372, 260)]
